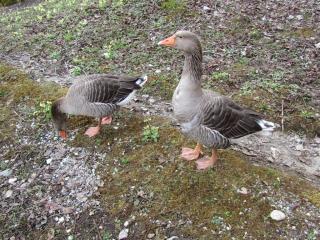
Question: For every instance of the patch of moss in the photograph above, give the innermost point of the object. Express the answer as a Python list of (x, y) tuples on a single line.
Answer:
[(18, 89), (313, 196), (172, 190)]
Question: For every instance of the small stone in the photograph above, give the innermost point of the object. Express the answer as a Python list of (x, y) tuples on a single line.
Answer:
[(152, 100), (8, 194), (275, 152), (299, 147), (243, 191), (6, 173), (48, 161), (126, 223), (173, 238), (299, 17), (12, 180), (317, 45), (277, 215), (123, 234), (158, 71), (206, 8), (151, 235), (60, 220)]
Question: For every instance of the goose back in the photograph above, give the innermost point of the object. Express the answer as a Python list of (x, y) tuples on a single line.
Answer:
[(100, 94)]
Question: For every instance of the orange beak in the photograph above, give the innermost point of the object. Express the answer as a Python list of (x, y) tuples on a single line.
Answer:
[(170, 41), (63, 134)]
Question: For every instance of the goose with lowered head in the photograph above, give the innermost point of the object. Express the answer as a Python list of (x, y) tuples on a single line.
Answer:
[(206, 116), (97, 95)]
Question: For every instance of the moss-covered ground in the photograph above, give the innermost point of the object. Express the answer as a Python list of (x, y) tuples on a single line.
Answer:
[(145, 180)]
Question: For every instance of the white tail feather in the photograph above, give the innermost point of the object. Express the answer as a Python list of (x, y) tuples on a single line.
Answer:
[(142, 80), (267, 126)]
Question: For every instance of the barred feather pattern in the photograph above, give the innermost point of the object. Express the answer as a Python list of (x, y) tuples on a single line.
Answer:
[(98, 95), (218, 120)]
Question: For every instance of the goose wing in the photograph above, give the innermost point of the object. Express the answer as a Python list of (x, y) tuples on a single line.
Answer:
[(98, 95), (219, 113)]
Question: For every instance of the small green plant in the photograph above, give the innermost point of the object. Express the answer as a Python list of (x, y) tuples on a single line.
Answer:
[(76, 71), (277, 183), (312, 235), (68, 37), (270, 84), (227, 214), (55, 55), (2, 93), (124, 161), (306, 114), (107, 236), (264, 107), (150, 133), (43, 109), (246, 89), (173, 5), (220, 76), (118, 3), (110, 50), (255, 34)]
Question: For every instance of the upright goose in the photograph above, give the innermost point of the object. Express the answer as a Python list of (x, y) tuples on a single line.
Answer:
[(207, 117), (97, 96)]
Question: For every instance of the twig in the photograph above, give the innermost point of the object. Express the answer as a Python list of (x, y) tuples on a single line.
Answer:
[(98, 231), (282, 117)]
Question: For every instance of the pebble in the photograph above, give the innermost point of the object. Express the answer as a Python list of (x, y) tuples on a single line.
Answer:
[(317, 45), (277, 215), (151, 235), (123, 234), (243, 191), (158, 71), (6, 173), (299, 147), (12, 180), (126, 223), (49, 160), (173, 238), (206, 8), (8, 194)]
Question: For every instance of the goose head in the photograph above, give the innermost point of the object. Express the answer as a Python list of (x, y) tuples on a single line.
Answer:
[(59, 118), (186, 41)]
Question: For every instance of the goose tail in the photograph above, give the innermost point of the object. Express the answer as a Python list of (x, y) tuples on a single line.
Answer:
[(267, 127), (141, 80)]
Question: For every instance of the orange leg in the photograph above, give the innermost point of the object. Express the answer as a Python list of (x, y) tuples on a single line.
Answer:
[(93, 131), (106, 120), (207, 162), (191, 154)]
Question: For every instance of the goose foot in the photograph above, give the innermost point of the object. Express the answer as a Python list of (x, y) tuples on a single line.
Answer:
[(191, 154), (92, 131), (207, 162), (106, 120)]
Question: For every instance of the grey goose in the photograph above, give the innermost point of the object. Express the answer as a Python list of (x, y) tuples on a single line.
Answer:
[(206, 116), (97, 95)]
